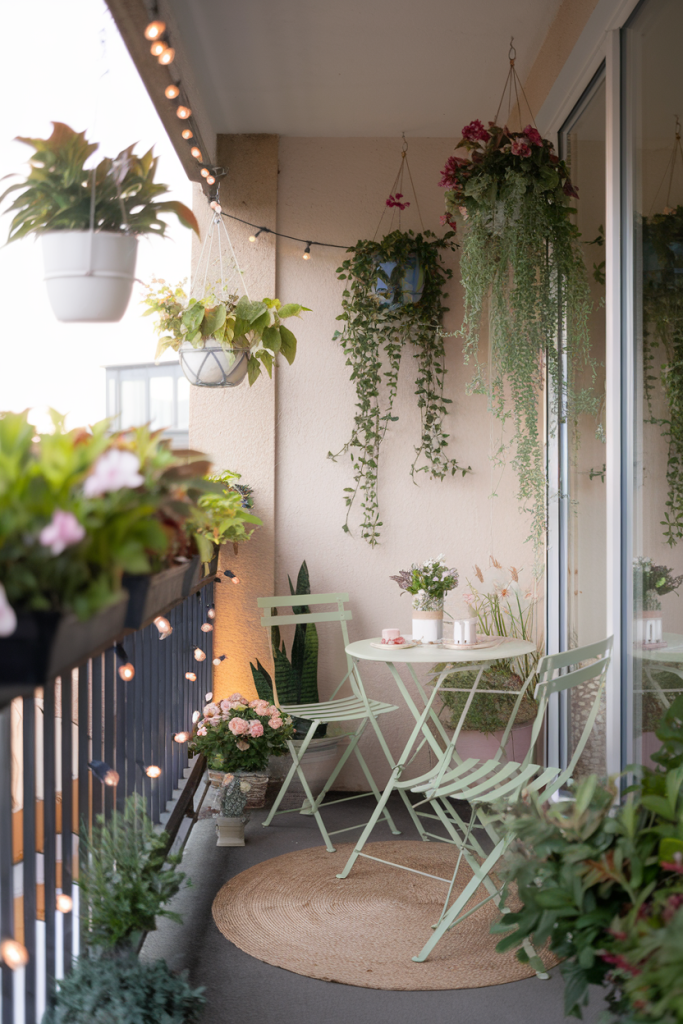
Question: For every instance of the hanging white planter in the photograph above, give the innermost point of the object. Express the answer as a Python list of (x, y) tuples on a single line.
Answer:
[(89, 274), (211, 366)]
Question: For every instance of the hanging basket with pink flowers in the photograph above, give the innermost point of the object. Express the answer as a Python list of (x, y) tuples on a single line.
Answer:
[(521, 262)]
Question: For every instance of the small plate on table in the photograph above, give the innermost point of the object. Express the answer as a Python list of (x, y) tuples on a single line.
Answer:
[(394, 647), (483, 641)]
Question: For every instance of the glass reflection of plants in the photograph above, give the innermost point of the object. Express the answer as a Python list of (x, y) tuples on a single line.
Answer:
[(650, 582), (502, 607)]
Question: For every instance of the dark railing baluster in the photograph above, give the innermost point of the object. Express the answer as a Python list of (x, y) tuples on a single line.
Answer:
[(49, 829), (29, 854), (121, 687), (6, 866), (67, 816), (110, 673), (156, 742), (96, 716)]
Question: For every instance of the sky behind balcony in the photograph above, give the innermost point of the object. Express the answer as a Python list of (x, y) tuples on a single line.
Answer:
[(66, 62)]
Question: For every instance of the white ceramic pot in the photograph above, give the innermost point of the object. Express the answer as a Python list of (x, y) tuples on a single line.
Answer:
[(89, 274), (229, 831), (318, 764), (428, 626), (211, 366)]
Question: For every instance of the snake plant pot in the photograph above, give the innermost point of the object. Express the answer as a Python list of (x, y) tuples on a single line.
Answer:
[(230, 831), (318, 764), (211, 366), (47, 644), (89, 274), (483, 745), (152, 594), (404, 291)]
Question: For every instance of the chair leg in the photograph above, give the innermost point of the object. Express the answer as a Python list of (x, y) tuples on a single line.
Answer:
[(376, 814), (376, 793), (283, 789)]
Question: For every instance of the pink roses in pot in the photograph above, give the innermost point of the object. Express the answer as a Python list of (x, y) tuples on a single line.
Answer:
[(238, 734)]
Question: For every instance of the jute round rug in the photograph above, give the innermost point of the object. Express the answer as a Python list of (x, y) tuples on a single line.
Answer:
[(294, 913)]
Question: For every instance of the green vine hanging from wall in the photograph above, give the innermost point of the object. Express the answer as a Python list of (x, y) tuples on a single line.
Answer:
[(393, 298), (521, 260)]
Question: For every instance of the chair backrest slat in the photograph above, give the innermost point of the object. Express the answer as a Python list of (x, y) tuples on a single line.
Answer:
[(551, 662), (571, 679), (286, 601), (294, 620)]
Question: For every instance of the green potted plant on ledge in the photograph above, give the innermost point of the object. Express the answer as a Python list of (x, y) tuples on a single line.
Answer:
[(89, 221), (221, 342)]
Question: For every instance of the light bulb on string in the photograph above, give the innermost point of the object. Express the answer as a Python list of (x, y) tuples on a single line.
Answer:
[(155, 29), (171, 92), (13, 954), (205, 172), (163, 625), (64, 903), (307, 252), (153, 771), (183, 113), (211, 612), (231, 576), (219, 659), (252, 238), (104, 773), (211, 180), (191, 676), (206, 627), (187, 134), (199, 654), (196, 152), (208, 696), (156, 49), (182, 737), (167, 57), (127, 672), (215, 205), (196, 715)]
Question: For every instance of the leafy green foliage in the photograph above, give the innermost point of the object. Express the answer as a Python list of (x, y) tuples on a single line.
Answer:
[(296, 681), (123, 990), (222, 517), (136, 529), (373, 340), (663, 326), (605, 888), (57, 194), (239, 324), (521, 261), (126, 878), (650, 582)]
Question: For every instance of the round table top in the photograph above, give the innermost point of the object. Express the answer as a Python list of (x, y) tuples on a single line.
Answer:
[(431, 654)]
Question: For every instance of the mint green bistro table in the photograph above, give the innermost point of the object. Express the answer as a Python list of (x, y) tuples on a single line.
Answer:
[(425, 716)]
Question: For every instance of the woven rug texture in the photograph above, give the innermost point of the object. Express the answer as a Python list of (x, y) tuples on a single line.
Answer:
[(294, 913)]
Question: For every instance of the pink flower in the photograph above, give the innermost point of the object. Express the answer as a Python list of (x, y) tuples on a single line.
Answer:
[(445, 218), (475, 131), (533, 135), (450, 176), (569, 189), (259, 706), (238, 697), (468, 597), (272, 710), (210, 710), (275, 722), (63, 531), (396, 201), (238, 726), (113, 471), (201, 731), (8, 616), (520, 148), (242, 745), (255, 730), (226, 705)]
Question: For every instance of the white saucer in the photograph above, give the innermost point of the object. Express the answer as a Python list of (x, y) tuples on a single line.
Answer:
[(392, 647), (483, 641)]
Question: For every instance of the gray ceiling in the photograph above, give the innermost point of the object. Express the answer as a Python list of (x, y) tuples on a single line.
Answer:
[(355, 67)]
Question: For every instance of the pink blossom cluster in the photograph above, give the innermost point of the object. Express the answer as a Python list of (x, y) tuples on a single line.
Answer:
[(396, 201), (243, 729)]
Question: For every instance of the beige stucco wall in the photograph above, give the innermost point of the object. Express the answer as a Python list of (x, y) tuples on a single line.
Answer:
[(278, 435)]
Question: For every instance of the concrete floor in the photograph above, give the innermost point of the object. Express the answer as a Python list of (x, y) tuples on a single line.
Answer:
[(240, 988)]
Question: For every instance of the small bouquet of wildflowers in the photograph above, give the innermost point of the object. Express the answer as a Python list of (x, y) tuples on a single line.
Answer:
[(240, 735), (428, 583)]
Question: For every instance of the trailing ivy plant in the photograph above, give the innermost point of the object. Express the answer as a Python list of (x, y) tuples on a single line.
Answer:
[(378, 324), (663, 326), (522, 262)]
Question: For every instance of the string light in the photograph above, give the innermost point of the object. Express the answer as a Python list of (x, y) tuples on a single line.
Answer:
[(171, 92), (127, 669), (187, 134), (211, 612), (199, 654), (205, 172), (163, 625), (104, 773), (211, 180), (64, 903), (208, 696), (183, 113), (167, 57), (196, 715), (155, 29), (13, 954), (156, 49), (191, 676), (153, 771), (219, 209), (231, 576), (196, 152), (252, 238), (307, 252), (206, 627), (219, 659), (182, 737)]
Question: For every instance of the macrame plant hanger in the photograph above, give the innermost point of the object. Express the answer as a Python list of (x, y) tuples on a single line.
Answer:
[(670, 170), (513, 87), (216, 365), (395, 201)]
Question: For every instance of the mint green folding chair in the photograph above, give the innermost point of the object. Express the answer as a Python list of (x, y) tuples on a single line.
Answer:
[(356, 707), (480, 783)]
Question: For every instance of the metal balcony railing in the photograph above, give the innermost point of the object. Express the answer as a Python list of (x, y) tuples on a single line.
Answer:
[(48, 791)]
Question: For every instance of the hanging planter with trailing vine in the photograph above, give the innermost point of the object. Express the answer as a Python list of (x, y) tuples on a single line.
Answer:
[(521, 263)]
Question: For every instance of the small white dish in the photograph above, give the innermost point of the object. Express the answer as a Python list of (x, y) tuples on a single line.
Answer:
[(392, 647), (483, 642)]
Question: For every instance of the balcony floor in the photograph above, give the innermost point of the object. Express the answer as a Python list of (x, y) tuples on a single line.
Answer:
[(241, 987)]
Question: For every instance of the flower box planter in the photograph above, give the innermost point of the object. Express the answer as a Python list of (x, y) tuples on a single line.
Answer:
[(149, 596), (46, 644), (199, 577), (89, 274)]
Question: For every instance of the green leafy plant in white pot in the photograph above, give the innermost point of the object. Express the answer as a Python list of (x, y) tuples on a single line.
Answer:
[(89, 221), (221, 342)]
